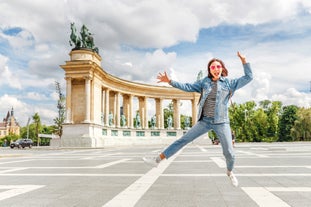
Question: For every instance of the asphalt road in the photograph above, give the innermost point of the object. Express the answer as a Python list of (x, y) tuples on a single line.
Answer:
[(276, 175)]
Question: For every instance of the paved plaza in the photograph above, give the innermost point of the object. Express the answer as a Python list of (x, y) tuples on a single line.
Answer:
[(276, 175)]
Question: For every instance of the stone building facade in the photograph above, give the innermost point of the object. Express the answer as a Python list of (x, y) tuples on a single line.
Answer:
[(9, 125)]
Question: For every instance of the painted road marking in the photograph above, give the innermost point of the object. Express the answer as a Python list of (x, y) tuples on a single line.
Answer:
[(201, 148), (99, 156), (15, 161), (289, 189), (71, 175), (13, 169), (130, 196), (112, 163), (239, 175), (250, 153), (193, 161), (138, 175), (91, 167), (220, 162), (271, 166), (14, 190), (263, 196), (259, 148)]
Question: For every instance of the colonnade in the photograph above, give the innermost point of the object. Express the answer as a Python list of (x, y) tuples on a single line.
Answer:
[(110, 104), (92, 95)]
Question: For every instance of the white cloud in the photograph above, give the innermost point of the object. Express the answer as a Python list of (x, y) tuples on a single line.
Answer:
[(21, 40), (139, 67), (293, 97), (129, 64), (47, 114), (36, 96), (21, 109), (214, 12), (6, 76), (55, 96), (261, 86)]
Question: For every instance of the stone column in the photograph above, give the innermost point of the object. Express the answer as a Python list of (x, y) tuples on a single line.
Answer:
[(68, 101), (194, 110), (87, 99), (159, 113), (130, 111), (143, 112), (117, 117), (176, 104), (102, 110), (112, 106), (126, 108), (106, 114)]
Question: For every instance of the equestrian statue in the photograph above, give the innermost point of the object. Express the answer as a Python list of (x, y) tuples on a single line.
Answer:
[(85, 41)]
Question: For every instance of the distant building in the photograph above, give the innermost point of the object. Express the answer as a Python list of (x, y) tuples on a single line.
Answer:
[(9, 125)]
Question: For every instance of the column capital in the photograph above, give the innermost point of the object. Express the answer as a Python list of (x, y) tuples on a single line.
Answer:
[(87, 77), (141, 98)]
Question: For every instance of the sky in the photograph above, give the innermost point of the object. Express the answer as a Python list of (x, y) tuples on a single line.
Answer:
[(137, 39)]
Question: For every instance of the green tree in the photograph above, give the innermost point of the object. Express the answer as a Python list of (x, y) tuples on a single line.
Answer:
[(8, 139), (33, 135), (61, 111), (37, 122), (272, 110), (32, 132), (260, 121), (241, 121), (287, 120), (301, 130), (273, 118)]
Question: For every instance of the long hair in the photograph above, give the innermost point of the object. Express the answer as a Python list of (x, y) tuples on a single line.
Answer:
[(224, 72)]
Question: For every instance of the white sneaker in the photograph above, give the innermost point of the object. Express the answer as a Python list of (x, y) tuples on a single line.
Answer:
[(151, 161), (233, 179)]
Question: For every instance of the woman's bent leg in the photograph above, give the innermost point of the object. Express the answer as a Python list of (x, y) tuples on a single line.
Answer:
[(197, 130), (224, 133)]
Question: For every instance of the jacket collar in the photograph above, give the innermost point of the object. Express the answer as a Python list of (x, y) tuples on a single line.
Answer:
[(221, 79)]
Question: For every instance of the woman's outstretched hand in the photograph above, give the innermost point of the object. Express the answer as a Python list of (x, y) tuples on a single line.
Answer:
[(163, 77), (242, 58)]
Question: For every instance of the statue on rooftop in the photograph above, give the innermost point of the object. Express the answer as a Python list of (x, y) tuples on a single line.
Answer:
[(74, 38), (87, 39), (84, 41)]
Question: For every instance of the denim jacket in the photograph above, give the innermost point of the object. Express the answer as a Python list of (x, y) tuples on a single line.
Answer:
[(225, 89)]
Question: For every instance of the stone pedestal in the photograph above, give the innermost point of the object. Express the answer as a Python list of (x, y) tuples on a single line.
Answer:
[(85, 55), (82, 135)]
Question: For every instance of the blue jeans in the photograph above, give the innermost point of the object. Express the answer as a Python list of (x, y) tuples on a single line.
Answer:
[(205, 124)]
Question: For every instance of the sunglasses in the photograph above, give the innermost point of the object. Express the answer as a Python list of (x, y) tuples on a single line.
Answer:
[(213, 67)]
